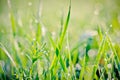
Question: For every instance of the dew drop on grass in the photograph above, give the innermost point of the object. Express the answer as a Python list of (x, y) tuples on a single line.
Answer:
[(43, 31), (78, 67), (34, 39), (20, 22), (53, 35), (66, 47), (109, 66), (68, 74), (111, 26), (92, 53), (96, 12), (29, 3), (36, 21)]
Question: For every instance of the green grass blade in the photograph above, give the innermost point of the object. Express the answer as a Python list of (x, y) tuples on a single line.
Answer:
[(62, 38), (8, 54), (39, 26), (65, 27), (83, 69), (51, 41), (39, 32), (55, 59), (99, 33), (113, 50), (59, 46), (98, 57), (62, 62), (68, 51), (13, 25), (12, 19)]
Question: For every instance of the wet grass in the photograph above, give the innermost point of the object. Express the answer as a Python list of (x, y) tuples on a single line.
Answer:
[(32, 52)]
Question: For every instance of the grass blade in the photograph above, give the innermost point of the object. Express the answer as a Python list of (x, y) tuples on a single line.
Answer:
[(59, 45), (55, 59), (65, 27), (39, 26), (98, 57), (8, 54), (12, 19), (113, 50), (51, 41), (62, 62), (83, 68), (39, 32)]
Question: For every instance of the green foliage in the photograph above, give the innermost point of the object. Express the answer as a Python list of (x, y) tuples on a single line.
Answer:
[(30, 51)]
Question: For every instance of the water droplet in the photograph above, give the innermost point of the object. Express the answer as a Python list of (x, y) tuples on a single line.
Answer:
[(29, 3), (109, 66)]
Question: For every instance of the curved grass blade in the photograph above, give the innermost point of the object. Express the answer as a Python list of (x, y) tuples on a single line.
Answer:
[(57, 56), (55, 59), (8, 54), (114, 51), (65, 27), (59, 45)]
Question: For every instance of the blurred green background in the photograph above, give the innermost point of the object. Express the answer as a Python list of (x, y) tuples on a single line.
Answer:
[(85, 15)]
